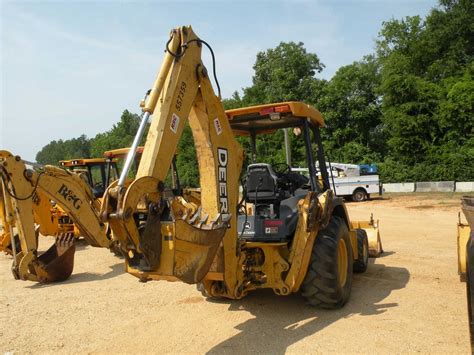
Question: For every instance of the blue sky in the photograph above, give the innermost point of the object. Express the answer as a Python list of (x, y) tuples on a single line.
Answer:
[(71, 67)]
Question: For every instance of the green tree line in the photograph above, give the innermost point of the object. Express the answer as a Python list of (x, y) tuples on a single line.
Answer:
[(407, 107)]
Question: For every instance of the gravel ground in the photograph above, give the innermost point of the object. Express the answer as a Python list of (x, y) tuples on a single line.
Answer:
[(409, 300)]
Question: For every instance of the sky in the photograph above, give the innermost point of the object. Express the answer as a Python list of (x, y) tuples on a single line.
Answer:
[(71, 67)]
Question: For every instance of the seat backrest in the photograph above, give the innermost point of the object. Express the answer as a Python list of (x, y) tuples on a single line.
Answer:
[(261, 183)]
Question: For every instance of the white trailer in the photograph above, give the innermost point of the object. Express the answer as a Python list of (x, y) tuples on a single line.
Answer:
[(347, 181)]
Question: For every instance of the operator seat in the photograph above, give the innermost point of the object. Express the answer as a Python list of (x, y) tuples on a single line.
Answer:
[(261, 184)]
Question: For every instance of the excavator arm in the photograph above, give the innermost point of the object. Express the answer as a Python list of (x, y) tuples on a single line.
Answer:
[(183, 244), (21, 187)]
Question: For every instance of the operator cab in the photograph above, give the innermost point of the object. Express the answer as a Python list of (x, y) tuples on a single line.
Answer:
[(271, 192), (97, 172)]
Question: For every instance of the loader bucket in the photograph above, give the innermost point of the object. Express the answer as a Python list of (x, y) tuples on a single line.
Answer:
[(56, 264), (467, 206), (373, 235), (464, 234), (463, 238)]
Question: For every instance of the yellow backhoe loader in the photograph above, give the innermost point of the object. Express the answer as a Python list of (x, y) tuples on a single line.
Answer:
[(287, 233), (465, 241), (56, 264), (71, 193), (50, 219)]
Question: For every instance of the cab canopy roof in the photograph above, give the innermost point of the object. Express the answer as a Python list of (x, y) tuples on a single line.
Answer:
[(270, 117), (120, 152), (82, 162)]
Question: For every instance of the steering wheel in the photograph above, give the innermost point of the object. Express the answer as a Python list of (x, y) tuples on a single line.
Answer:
[(281, 168)]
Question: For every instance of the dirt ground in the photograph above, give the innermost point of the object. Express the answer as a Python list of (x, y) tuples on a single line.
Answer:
[(409, 300)]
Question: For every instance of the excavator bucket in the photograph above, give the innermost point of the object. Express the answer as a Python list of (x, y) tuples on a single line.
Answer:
[(371, 227), (56, 264)]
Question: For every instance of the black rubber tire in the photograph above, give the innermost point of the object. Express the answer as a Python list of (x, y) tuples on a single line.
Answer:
[(321, 286), (362, 261), (359, 195)]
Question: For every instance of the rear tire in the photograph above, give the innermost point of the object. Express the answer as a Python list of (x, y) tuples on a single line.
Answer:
[(359, 195), (328, 280), (360, 265)]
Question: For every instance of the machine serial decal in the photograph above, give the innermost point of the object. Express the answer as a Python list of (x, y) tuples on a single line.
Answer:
[(222, 157), (179, 100), (174, 123), (217, 125), (68, 195)]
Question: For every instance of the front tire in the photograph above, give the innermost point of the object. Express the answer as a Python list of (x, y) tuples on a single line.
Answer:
[(360, 265), (328, 280)]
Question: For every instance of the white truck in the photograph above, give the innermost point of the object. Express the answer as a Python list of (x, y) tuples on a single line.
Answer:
[(358, 182)]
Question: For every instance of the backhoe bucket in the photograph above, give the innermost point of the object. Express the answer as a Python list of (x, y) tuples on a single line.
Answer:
[(195, 249), (57, 263), (373, 235)]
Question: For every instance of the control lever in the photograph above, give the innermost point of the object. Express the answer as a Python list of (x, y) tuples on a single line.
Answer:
[(260, 182)]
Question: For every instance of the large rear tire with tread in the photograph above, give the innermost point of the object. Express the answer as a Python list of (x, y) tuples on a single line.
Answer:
[(362, 261), (328, 280)]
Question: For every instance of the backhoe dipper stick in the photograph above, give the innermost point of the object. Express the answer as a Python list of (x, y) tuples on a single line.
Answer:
[(148, 106)]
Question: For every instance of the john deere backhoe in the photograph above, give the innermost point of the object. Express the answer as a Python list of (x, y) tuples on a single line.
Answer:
[(286, 232)]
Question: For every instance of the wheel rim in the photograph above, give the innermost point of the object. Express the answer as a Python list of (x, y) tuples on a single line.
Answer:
[(342, 262), (359, 196)]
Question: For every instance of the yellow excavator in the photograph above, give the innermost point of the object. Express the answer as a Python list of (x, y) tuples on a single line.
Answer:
[(284, 231)]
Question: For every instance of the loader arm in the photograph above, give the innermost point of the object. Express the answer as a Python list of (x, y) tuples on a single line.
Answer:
[(21, 187), (184, 245)]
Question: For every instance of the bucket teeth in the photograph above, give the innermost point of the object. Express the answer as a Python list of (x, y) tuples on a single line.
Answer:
[(196, 216), (203, 220)]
